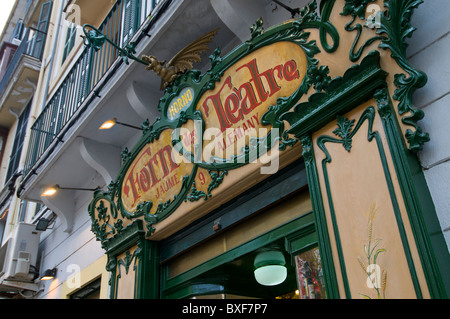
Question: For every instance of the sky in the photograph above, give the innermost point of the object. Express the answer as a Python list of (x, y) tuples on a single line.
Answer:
[(5, 10)]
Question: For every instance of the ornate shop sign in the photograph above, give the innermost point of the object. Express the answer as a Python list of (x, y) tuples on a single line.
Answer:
[(237, 112), (270, 93), (153, 175), (210, 123)]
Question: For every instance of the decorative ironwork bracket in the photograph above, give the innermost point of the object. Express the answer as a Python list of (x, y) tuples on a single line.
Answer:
[(95, 38), (293, 12)]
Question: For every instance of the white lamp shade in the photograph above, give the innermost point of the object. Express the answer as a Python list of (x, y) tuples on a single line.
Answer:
[(269, 268), (271, 275)]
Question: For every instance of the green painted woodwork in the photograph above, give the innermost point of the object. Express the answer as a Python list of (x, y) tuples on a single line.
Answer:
[(343, 135), (325, 249), (396, 27), (147, 280), (431, 229), (410, 196), (204, 276), (368, 115), (357, 9), (323, 107), (343, 94), (287, 182), (143, 262), (393, 30)]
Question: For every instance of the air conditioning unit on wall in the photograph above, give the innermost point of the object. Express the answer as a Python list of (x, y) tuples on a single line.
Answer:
[(17, 256)]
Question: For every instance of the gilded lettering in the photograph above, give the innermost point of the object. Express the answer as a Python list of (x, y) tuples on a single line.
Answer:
[(146, 178), (232, 107)]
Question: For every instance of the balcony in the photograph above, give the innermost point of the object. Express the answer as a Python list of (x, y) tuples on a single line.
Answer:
[(19, 80), (84, 79)]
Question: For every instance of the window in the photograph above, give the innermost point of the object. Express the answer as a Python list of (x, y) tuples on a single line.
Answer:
[(90, 291), (16, 152), (3, 217), (310, 275), (3, 137), (42, 28), (38, 208), (23, 210), (70, 40), (18, 31)]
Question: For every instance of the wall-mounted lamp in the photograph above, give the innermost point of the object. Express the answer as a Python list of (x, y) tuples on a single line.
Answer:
[(270, 269), (49, 274), (52, 190), (44, 223), (111, 122)]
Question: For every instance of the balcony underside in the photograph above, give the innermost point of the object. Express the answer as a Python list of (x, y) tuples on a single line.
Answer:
[(87, 11), (19, 90)]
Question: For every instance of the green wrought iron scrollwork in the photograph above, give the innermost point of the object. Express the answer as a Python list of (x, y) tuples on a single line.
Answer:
[(344, 131), (94, 38), (101, 216), (195, 194), (318, 76), (216, 179)]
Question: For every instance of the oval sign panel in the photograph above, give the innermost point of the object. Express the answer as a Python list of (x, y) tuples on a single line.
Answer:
[(154, 175), (180, 103), (246, 91)]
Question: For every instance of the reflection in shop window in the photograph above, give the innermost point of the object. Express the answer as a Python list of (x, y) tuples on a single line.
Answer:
[(310, 275)]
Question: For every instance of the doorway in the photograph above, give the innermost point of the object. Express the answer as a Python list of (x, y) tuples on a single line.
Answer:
[(232, 274), (304, 278)]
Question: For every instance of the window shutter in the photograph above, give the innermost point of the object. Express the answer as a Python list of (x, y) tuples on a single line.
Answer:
[(70, 40), (42, 27), (18, 142), (130, 22)]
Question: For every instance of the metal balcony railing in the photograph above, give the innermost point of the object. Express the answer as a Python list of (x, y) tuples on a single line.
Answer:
[(33, 47), (121, 24)]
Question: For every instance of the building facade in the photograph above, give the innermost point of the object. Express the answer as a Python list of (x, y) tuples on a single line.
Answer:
[(256, 149), (22, 52)]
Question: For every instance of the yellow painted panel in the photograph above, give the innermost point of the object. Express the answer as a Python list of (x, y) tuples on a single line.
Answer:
[(78, 280), (365, 215)]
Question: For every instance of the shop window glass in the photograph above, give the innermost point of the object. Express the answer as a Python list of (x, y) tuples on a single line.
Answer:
[(309, 275)]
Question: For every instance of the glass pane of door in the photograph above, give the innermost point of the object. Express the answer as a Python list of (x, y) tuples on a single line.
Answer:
[(310, 275)]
